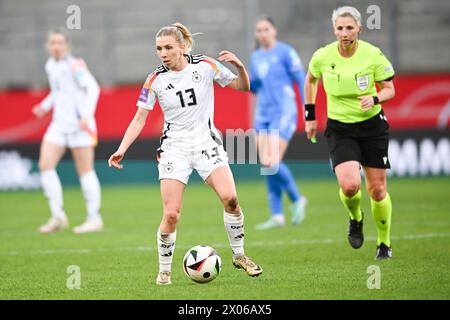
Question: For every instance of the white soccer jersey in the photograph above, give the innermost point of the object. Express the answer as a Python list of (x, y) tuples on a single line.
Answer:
[(187, 101), (73, 92)]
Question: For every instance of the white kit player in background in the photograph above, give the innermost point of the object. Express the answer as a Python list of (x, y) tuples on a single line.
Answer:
[(73, 97), (183, 85)]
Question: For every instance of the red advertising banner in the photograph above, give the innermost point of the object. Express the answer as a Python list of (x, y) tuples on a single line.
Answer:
[(422, 101)]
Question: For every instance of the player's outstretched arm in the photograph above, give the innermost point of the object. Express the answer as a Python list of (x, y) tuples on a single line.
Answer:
[(44, 106), (133, 131), (242, 82)]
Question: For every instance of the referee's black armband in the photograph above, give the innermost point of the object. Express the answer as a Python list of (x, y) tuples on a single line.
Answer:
[(388, 79), (375, 100), (310, 112)]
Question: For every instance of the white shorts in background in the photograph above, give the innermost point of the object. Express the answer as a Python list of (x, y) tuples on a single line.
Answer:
[(178, 165), (76, 139)]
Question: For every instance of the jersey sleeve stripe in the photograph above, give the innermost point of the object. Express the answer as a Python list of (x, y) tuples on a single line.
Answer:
[(210, 61), (197, 58), (151, 78)]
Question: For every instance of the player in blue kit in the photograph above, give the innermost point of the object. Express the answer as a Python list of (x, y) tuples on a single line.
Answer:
[(275, 66)]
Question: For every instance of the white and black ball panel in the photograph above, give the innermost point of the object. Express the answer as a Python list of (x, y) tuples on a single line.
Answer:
[(202, 264)]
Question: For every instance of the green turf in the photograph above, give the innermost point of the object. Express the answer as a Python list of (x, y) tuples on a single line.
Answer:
[(312, 261)]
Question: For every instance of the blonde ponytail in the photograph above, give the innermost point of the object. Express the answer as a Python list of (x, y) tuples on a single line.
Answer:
[(181, 33)]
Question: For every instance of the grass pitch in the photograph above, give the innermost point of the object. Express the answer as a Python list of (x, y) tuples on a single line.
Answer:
[(310, 261)]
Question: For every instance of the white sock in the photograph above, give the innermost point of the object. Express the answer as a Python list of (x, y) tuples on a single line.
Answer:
[(91, 192), (235, 229), (53, 191), (166, 247)]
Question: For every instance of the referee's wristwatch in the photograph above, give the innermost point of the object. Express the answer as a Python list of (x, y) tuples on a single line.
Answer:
[(375, 100)]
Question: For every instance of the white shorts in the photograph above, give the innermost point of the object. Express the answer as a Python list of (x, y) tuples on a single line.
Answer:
[(178, 165), (75, 139)]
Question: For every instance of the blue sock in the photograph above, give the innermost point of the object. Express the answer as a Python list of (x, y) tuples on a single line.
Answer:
[(275, 194), (288, 182)]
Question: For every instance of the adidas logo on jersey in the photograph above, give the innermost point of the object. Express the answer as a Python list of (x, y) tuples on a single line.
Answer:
[(170, 86)]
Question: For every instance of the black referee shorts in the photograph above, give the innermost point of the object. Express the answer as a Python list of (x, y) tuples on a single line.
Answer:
[(366, 142)]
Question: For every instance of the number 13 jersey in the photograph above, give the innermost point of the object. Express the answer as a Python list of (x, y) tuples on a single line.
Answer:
[(186, 98)]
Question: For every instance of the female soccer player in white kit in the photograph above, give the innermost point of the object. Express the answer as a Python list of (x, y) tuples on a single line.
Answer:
[(183, 85), (73, 97)]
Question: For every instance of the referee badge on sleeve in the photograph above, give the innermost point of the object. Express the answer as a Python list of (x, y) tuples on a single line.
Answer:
[(362, 82)]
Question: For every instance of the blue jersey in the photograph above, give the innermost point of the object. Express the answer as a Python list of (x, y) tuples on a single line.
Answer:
[(272, 74)]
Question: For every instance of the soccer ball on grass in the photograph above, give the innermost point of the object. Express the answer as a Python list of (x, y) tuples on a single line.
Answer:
[(202, 264)]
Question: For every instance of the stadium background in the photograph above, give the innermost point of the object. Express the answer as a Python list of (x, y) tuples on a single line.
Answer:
[(117, 41)]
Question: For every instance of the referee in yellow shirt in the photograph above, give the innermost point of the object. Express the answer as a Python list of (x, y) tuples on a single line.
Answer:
[(357, 130)]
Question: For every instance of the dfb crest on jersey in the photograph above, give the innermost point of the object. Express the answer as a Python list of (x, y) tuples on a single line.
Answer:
[(196, 77), (362, 82)]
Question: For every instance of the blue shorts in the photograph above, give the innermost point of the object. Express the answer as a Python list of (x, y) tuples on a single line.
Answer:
[(285, 125)]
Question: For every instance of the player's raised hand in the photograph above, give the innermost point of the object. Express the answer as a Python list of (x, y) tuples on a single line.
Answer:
[(242, 82), (115, 158), (230, 57), (38, 111)]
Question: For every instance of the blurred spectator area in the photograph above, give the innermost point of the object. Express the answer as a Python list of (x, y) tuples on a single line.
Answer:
[(117, 37)]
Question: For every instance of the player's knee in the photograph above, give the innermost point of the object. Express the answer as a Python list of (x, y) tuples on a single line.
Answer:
[(171, 216), (378, 193), (230, 201), (350, 188)]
